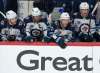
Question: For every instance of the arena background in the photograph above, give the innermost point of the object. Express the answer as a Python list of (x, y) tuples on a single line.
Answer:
[(23, 7)]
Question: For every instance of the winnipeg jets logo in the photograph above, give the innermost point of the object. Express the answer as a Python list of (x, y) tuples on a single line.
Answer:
[(84, 28), (36, 32)]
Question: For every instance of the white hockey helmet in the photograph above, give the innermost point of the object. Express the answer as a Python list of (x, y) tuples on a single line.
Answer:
[(36, 12), (11, 14), (84, 5), (65, 15)]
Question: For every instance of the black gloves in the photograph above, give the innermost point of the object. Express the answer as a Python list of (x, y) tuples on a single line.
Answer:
[(85, 37), (11, 38)]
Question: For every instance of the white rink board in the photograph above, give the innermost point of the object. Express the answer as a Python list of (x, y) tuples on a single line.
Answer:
[(9, 55)]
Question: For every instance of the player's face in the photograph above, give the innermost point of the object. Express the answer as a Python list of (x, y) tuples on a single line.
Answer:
[(64, 23), (84, 12), (37, 18), (12, 21)]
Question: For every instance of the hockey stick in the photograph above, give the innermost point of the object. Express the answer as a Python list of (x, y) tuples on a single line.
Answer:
[(3, 14), (95, 8)]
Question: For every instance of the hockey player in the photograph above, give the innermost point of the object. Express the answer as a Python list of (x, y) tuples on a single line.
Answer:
[(63, 32), (84, 24), (36, 29), (12, 27)]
